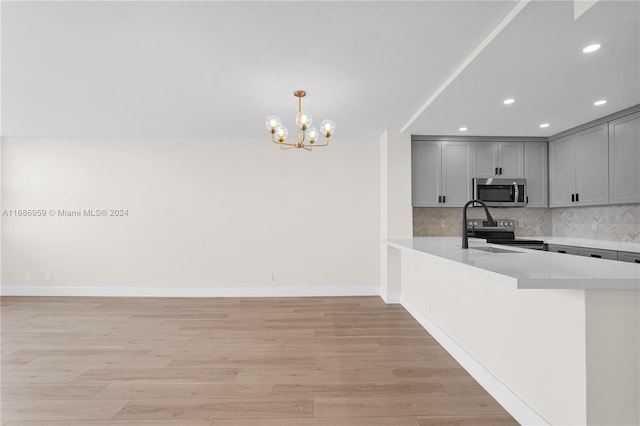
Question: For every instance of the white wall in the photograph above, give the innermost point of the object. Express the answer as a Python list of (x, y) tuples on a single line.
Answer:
[(203, 213), (395, 207)]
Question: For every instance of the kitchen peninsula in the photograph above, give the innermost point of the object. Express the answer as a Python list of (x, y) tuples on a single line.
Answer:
[(555, 338)]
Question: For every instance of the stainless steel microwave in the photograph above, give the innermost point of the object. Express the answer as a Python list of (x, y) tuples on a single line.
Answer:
[(500, 192)]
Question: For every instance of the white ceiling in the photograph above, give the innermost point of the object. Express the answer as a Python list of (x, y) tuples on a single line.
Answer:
[(200, 69), (538, 61)]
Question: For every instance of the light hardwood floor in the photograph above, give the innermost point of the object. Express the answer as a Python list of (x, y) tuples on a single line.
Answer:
[(321, 361)]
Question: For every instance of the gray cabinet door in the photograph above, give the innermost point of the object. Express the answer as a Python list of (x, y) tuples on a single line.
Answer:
[(624, 160), (536, 173), (498, 159), (598, 253), (562, 172), (511, 159), (627, 256), (426, 173), (555, 248), (592, 165), (456, 173), (485, 158)]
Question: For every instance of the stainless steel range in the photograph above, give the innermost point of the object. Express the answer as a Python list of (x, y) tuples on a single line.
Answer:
[(501, 231)]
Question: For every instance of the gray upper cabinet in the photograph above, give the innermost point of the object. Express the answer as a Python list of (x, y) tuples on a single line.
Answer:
[(511, 159), (624, 159), (456, 173), (536, 172), (426, 172), (440, 173), (499, 159), (485, 159), (592, 174), (562, 172), (578, 165)]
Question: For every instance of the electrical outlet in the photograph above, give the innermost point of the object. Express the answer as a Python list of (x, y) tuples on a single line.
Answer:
[(47, 276), (270, 277), (521, 223), (443, 223), (27, 276), (594, 225)]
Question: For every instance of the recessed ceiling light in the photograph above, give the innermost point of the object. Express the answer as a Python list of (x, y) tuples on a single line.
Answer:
[(544, 125), (591, 48), (600, 102), (508, 101), (463, 129)]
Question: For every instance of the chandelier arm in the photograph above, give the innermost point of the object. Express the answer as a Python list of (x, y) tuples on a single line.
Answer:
[(324, 144), (285, 144), (284, 147), (273, 139)]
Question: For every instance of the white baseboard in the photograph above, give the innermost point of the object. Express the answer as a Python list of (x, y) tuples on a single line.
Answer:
[(390, 298), (515, 406), (188, 291)]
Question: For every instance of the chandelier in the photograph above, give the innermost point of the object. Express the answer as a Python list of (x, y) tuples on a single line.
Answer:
[(307, 136)]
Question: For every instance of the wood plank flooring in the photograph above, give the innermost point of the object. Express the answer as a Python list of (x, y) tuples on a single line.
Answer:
[(320, 361)]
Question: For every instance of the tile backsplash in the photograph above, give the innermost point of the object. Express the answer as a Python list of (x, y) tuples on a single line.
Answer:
[(614, 223), (428, 221)]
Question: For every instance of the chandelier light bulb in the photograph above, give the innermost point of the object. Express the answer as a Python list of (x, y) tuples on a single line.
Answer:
[(327, 127), (313, 134), (303, 120), (273, 122), (282, 133)]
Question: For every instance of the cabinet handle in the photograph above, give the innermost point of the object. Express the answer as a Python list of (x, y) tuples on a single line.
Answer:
[(573, 197), (562, 251), (577, 197), (496, 171), (596, 256), (527, 199), (444, 197), (439, 198), (637, 260), (500, 170)]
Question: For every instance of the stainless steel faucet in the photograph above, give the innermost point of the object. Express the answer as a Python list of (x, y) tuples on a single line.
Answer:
[(465, 237)]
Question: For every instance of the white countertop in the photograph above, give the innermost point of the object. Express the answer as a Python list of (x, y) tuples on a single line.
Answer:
[(527, 269), (596, 244)]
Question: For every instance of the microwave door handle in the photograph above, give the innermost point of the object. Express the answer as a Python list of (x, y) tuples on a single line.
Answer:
[(516, 192)]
